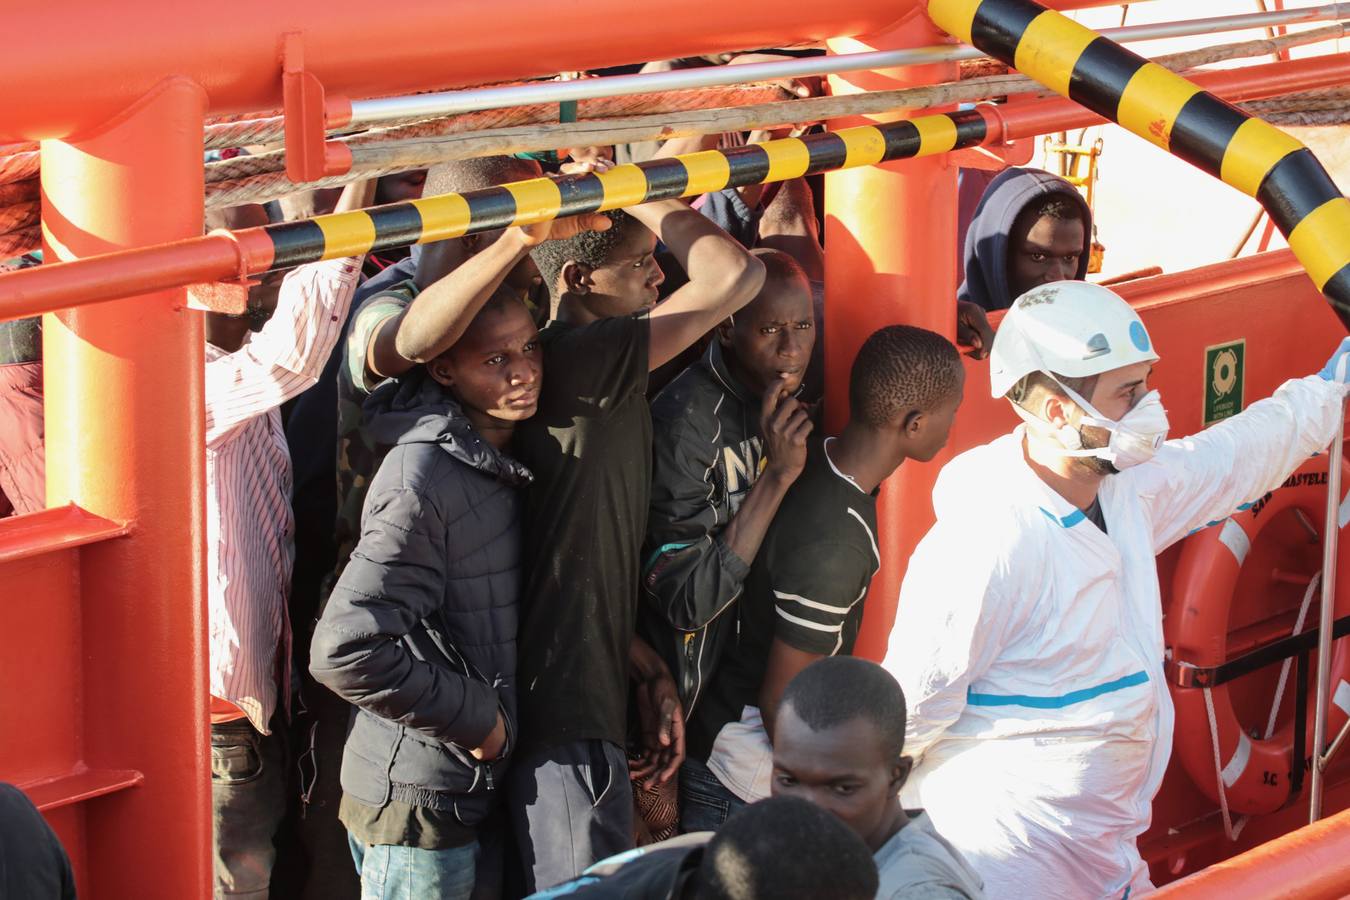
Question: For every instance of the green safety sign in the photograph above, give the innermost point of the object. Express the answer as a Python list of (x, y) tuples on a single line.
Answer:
[(1224, 380)]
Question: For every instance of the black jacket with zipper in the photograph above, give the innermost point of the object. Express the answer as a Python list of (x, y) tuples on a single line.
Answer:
[(420, 631), (707, 454)]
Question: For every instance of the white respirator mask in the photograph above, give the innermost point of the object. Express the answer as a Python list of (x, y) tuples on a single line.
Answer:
[(1135, 437)]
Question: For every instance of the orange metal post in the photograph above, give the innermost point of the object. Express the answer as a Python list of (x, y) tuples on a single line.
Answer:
[(891, 233), (125, 431)]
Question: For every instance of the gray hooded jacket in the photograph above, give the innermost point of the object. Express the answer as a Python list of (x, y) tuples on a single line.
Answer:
[(986, 263), (420, 631)]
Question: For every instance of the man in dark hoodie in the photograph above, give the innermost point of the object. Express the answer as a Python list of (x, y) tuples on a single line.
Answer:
[(1031, 228), (420, 630)]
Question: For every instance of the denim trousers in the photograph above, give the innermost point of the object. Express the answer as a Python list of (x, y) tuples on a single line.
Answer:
[(247, 804), (391, 872), (705, 803)]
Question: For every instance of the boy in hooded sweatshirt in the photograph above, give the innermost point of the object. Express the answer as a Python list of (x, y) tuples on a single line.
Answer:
[(1031, 228), (420, 630)]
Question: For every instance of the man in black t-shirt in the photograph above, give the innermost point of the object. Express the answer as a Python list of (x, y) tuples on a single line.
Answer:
[(589, 447), (803, 599)]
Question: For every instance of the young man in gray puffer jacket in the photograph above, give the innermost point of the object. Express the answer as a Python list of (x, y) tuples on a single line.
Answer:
[(420, 631)]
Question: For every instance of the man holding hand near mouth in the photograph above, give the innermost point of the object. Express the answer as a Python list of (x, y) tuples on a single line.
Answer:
[(729, 439)]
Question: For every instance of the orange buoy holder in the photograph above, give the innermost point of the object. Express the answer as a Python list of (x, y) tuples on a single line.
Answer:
[(1254, 773)]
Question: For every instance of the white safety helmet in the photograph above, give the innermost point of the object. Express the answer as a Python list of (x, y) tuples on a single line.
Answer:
[(1069, 328)]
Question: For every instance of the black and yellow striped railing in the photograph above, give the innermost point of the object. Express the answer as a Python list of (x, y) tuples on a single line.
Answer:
[(1166, 109), (541, 199)]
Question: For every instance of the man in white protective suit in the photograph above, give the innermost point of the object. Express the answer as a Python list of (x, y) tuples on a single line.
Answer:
[(1029, 637)]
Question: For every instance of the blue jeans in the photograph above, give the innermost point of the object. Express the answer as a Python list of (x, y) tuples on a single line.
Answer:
[(395, 873), (704, 802)]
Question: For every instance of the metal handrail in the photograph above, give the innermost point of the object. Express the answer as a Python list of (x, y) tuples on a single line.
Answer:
[(385, 110)]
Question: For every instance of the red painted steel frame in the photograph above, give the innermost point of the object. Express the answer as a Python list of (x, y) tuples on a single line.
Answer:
[(110, 54), (104, 598), (107, 633), (216, 256)]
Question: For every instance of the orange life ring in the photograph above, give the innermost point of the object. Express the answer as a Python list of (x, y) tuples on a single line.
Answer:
[(1255, 770)]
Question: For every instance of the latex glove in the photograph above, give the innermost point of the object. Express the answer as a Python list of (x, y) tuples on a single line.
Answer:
[(1338, 367)]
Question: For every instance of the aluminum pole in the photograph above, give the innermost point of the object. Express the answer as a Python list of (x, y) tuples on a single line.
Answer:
[(370, 113), (1330, 540)]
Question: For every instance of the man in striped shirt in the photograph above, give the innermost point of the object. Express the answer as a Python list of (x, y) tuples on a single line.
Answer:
[(254, 363)]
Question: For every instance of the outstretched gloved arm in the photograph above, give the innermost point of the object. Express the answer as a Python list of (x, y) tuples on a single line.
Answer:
[(1199, 480)]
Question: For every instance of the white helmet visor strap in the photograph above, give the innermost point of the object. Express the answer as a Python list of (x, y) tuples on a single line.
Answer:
[(1092, 417), (1048, 431)]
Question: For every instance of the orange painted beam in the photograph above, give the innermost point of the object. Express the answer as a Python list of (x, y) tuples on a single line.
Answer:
[(116, 52), (225, 255), (79, 785), (1312, 863), (53, 529)]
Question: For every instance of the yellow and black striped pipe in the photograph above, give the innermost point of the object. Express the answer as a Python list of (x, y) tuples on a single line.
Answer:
[(1166, 109), (541, 199)]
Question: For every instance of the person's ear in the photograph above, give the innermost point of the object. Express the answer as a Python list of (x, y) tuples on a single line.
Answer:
[(472, 243), (912, 423), (724, 331), (576, 277), (900, 772), (1056, 410), (440, 371)]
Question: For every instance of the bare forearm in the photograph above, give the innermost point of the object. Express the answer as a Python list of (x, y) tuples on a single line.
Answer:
[(745, 532), (441, 313), (691, 144), (644, 663), (357, 195), (705, 252), (784, 664), (789, 224)]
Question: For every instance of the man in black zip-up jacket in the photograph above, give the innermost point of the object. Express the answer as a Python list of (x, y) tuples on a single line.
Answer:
[(420, 631), (729, 438)]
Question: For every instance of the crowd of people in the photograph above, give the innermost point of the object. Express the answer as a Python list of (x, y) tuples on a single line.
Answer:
[(532, 569)]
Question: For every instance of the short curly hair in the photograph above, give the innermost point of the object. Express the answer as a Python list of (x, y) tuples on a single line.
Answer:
[(839, 689), (460, 176), (785, 847), (899, 369), (591, 248)]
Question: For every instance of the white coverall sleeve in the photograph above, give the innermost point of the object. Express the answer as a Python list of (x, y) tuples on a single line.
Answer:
[(951, 624), (1196, 480)]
